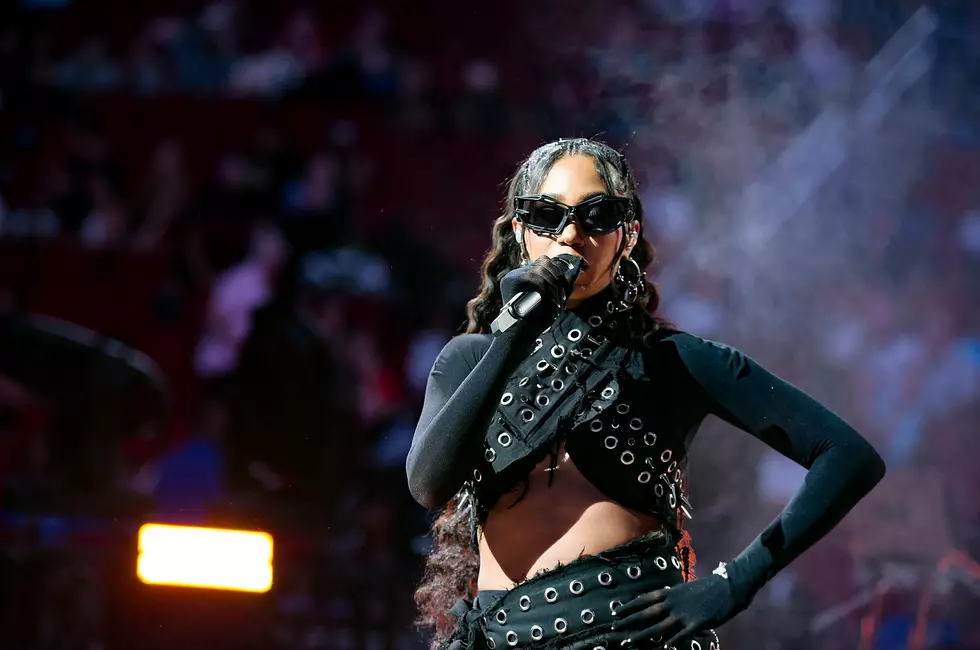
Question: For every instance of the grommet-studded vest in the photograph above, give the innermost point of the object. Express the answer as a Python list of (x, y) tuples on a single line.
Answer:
[(586, 386)]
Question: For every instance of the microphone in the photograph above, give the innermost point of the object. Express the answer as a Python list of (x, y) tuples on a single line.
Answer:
[(524, 302)]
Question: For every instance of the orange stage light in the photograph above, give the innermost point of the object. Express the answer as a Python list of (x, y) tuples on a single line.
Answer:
[(210, 558)]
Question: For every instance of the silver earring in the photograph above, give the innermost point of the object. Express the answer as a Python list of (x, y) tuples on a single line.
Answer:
[(519, 236), (629, 284)]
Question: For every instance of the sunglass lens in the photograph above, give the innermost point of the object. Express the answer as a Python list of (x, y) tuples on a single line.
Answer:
[(544, 216), (603, 216)]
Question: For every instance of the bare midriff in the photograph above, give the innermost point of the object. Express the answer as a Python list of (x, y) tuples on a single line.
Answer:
[(552, 524)]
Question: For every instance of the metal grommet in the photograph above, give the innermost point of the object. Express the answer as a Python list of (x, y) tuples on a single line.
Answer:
[(595, 426), (627, 458), (672, 467), (512, 638), (477, 476), (675, 562), (649, 438), (574, 335), (631, 442), (538, 343), (542, 365), (595, 321), (491, 644), (576, 587), (677, 476), (504, 439), (610, 442), (614, 605), (599, 647), (551, 594), (608, 392), (501, 617), (542, 400), (570, 368), (557, 385), (633, 571), (605, 578), (614, 424), (537, 633), (524, 603), (665, 455), (523, 382), (506, 399), (672, 500), (695, 645), (557, 351), (660, 562), (588, 616), (561, 625), (658, 489), (712, 646), (622, 409), (490, 454), (586, 353), (527, 415), (636, 424), (644, 477)]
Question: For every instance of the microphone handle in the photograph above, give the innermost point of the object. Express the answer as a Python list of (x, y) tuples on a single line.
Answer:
[(525, 301), (516, 308)]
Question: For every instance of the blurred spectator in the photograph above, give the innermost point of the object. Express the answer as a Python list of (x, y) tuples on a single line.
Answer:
[(163, 197), (190, 476), (315, 205), (416, 114), (235, 296), (295, 388), (149, 70), (480, 108), (106, 226), (88, 69), (205, 50)]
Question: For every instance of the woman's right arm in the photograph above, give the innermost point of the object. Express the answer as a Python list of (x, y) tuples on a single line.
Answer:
[(468, 378), (461, 395)]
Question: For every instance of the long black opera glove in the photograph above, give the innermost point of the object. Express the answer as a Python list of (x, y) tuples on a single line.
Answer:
[(843, 468), (465, 384)]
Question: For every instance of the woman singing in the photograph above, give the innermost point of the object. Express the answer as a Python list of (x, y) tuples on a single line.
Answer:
[(554, 438)]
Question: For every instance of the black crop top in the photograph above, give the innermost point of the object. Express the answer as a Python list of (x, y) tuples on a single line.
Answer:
[(625, 425), (627, 413)]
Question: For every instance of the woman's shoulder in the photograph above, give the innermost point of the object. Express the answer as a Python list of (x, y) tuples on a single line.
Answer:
[(691, 349), (466, 348)]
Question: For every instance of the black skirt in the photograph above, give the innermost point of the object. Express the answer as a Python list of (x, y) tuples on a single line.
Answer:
[(574, 606)]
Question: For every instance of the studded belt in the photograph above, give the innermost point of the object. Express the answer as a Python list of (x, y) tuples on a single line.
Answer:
[(574, 606)]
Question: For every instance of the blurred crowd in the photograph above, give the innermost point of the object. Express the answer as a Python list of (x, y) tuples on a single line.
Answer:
[(284, 206)]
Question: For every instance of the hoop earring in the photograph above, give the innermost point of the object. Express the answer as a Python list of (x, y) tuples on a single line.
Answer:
[(628, 285)]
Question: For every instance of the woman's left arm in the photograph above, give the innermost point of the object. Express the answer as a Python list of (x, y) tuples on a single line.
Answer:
[(842, 468)]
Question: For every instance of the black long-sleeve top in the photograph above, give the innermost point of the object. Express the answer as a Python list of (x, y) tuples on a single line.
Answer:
[(687, 378)]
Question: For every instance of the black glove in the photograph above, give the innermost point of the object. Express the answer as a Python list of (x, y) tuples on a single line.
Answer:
[(547, 275), (552, 278), (674, 613)]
